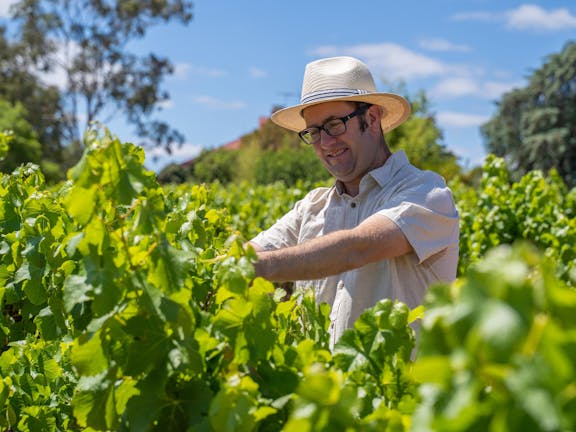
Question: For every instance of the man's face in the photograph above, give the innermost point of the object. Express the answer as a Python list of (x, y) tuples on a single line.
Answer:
[(349, 156)]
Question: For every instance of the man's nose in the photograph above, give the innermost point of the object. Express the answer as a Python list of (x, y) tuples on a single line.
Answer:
[(325, 139)]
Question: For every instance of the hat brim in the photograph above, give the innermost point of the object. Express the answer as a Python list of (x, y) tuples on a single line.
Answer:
[(396, 110)]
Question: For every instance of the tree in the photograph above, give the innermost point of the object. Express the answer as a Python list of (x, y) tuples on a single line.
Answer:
[(23, 144), (175, 173), (38, 103), (289, 165), (421, 139), (87, 41), (272, 153), (215, 165), (535, 126)]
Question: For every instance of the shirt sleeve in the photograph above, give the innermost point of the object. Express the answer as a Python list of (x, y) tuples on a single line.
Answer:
[(428, 219), (280, 235), (284, 232), (304, 221)]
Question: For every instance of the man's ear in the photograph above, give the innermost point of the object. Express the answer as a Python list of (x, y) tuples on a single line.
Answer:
[(374, 116)]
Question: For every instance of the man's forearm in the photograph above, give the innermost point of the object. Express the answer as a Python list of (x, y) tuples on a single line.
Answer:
[(375, 239), (314, 259)]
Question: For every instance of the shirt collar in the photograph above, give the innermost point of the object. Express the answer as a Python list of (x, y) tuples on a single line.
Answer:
[(393, 164), (382, 174)]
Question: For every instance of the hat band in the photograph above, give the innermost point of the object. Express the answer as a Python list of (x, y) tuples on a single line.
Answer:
[(330, 94)]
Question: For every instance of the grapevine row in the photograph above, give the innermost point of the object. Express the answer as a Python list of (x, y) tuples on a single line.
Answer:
[(128, 306)]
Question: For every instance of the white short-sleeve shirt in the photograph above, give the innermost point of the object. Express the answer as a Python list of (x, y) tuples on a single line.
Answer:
[(419, 202)]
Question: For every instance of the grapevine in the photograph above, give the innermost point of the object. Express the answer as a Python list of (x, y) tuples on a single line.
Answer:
[(131, 306)]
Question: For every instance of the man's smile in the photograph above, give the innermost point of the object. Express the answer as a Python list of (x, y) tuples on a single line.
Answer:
[(337, 152)]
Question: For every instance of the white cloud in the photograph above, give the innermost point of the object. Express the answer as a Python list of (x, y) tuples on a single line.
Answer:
[(495, 89), (182, 153), (525, 17), (475, 16), (205, 71), (533, 17), (455, 87), (165, 104), (391, 60), (181, 70), (438, 44), (158, 158), (257, 72), (5, 7), (466, 86), (460, 120), (212, 102)]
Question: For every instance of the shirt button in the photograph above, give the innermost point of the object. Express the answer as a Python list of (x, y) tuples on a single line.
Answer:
[(353, 204)]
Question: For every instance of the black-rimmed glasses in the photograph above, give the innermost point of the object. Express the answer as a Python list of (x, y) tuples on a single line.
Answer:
[(332, 127)]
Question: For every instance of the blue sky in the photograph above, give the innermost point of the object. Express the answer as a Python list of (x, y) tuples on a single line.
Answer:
[(237, 59)]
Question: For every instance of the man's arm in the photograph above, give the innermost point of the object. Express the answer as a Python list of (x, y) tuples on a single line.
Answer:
[(375, 239)]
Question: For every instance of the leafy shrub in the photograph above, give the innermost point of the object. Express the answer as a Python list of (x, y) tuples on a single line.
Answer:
[(289, 166), (497, 348), (216, 165), (536, 208)]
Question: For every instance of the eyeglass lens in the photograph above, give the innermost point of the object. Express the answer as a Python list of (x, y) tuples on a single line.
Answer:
[(334, 127)]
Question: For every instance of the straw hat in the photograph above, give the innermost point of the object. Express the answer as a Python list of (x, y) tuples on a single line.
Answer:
[(341, 79)]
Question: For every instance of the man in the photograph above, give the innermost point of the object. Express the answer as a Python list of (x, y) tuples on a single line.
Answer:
[(385, 229)]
